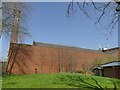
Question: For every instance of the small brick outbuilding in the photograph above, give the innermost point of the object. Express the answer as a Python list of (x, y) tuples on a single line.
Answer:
[(111, 69)]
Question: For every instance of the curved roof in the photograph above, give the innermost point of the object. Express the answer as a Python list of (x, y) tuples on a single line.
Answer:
[(111, 64)]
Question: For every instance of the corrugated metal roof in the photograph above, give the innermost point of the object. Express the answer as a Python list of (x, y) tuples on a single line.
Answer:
[(110, 64)]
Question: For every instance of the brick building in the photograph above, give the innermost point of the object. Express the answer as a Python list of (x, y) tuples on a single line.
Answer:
[(109, 69), (50, 58)]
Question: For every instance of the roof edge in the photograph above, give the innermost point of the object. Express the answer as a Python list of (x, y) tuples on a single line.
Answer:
[(56, 45)]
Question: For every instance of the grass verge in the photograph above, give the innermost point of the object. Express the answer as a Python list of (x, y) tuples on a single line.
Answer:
[(60, 81)]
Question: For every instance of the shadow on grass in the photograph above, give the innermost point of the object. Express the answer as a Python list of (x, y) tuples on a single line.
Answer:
[(81, 83), (11, 83)]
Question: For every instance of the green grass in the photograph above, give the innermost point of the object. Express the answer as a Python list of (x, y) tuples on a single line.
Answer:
[(0, 82), (59, 81)]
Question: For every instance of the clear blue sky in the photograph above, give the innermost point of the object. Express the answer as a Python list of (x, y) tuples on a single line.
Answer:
[(48, 22)]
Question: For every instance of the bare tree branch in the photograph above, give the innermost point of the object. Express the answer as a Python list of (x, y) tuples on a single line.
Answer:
[(8, 15), (83, 9), (103, 10)]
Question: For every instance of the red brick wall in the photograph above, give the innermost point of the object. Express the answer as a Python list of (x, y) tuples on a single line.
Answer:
[(47, 59), (113, 72)]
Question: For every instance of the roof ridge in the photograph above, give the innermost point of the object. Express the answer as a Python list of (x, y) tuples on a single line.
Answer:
[(49, 44)]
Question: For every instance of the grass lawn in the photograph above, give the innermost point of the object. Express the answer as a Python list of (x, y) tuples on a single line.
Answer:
[(59, 81)]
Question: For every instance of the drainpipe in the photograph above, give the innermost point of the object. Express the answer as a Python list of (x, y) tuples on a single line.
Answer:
[(118, 11)]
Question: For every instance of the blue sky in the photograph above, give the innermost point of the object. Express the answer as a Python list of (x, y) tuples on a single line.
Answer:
[(48, 22)]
